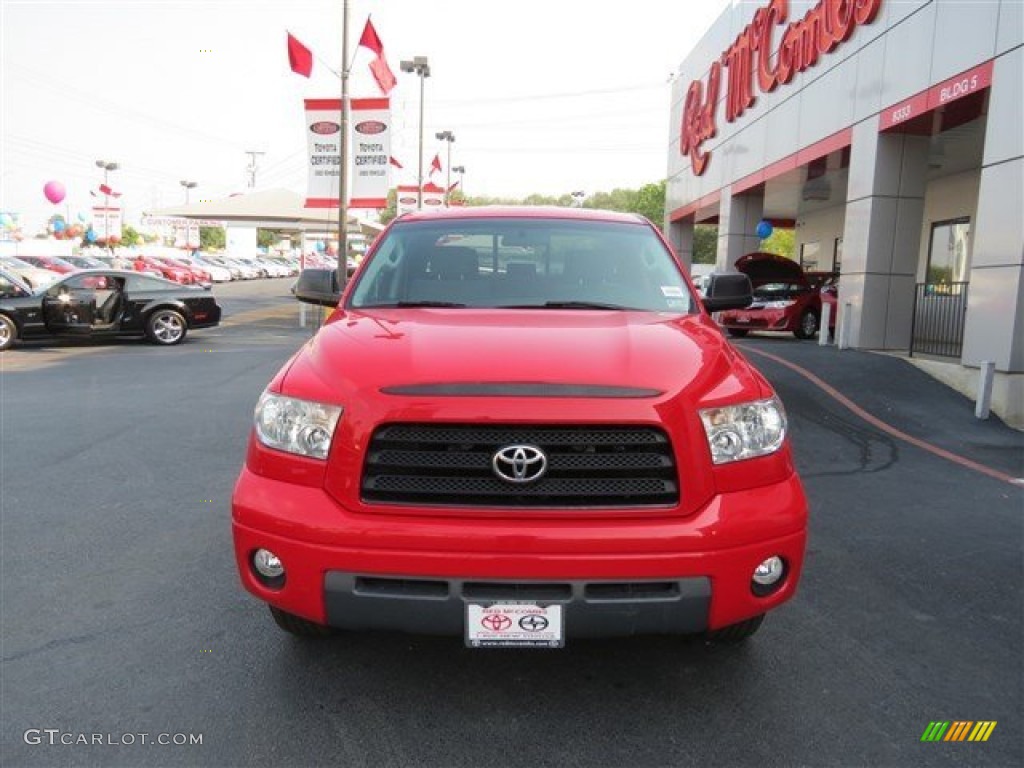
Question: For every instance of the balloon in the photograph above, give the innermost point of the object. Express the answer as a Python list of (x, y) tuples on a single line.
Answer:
[(320, 246), (115, 238), (54, 191), (90, 236), (58, 225), (764, 229), (81, 217), (6, 220)]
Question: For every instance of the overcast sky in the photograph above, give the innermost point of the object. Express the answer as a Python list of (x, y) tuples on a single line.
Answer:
[(543, 96)]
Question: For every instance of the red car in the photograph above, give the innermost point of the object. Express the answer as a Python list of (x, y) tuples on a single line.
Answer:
[(520, 425), (199, 276), (785, 299), (52, 263), (181, 275)]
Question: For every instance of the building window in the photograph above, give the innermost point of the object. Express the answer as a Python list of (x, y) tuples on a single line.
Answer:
[(809, 256), (947, 251), (837, 256)]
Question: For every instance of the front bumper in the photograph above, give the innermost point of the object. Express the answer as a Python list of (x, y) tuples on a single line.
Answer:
[(615, 576)]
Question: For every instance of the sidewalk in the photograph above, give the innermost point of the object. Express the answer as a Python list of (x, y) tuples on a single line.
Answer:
[(900, 394)]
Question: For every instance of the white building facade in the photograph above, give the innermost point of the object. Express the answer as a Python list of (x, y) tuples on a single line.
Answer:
[(889, 134)]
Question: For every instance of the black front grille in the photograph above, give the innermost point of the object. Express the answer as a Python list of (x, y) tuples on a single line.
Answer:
[(588, 466)]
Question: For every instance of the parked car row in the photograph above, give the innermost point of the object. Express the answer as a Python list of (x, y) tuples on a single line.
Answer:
[(196, 268)]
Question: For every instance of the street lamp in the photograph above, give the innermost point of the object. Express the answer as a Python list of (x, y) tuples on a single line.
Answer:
[(461, 169), (577, 198), (188, 185), (421, 67), (449, 137), (107, 167)]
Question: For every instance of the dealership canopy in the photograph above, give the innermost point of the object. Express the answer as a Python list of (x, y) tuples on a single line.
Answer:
[(268, 209)]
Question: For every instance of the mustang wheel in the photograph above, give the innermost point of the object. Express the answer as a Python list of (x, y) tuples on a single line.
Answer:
[(166, 327), (296, 625), (735, 633), (8, 332), (808, 326)]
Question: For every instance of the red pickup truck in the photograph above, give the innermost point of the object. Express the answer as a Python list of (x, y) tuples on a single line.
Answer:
[(520, 425)]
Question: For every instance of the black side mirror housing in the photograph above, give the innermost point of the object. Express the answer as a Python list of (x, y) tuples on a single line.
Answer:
[(318, 286), (727, 290)]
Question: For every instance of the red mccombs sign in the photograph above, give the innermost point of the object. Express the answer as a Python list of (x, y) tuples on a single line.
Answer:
[(803, 42)]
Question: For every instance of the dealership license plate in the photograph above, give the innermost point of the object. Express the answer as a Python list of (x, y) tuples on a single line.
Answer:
[(742, 318), (514, 625)]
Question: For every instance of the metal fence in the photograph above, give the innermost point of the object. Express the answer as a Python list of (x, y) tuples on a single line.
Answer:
[(939, 312)]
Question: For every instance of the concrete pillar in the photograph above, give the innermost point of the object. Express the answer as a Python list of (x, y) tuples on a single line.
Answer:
[(738, 218), (882, 235), (994, 328), (680, 235)]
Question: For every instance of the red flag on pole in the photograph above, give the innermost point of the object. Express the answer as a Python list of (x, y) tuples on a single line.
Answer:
[(435, 165), (453, 186), (379, 66), (394, 162), (300, 58)]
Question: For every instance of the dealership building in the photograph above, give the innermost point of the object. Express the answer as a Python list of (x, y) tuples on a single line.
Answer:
[(889, 134)]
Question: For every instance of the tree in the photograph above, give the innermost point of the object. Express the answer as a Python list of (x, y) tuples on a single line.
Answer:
[(705, 244), (212, 238), (265, 238), (781, 242)]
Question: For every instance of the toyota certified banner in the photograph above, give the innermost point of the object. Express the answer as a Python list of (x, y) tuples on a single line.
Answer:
[(408, 200), (369, 151), (106, 222)]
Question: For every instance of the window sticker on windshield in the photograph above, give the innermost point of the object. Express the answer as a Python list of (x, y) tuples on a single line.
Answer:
[(675, 304), (672, 291)]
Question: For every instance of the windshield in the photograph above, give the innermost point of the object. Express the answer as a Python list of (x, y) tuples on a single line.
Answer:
[(523, 263)]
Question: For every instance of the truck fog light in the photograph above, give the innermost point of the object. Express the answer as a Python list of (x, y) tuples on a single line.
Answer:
[(268, 565), (768, 576)]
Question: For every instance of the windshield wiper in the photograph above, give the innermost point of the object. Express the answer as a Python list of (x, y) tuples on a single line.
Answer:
[(424, 303), (579, 305)]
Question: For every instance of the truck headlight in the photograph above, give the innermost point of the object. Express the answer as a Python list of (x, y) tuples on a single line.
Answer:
[(737, 432), (296, 426)]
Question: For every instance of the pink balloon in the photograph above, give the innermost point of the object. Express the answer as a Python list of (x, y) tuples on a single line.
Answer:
[(54, 191)]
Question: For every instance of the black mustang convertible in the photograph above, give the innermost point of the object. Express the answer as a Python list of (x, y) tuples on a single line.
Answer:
[(101, 303)]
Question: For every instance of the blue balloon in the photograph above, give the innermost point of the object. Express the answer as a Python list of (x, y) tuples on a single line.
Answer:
[(320, 245), (764, 229), (58, 225), (90, 236)]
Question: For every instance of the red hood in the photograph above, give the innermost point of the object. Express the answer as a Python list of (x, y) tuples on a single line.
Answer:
[(396, 348)]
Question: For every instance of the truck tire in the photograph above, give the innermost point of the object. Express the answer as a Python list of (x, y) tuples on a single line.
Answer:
[(298, 626), (735, 633)]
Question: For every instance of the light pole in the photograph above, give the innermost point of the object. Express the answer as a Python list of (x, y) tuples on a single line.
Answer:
[(188, 185), (421, 67), (461, 169), (107, 167), (449, 137), (577, 198)]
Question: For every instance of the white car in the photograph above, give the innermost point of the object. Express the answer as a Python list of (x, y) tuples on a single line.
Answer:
[(217, 273), (36, 277)]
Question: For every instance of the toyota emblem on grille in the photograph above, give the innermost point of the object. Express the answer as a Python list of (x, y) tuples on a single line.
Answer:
[(520, 463)]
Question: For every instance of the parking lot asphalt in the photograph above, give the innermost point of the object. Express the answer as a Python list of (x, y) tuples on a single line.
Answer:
[(122, 612)]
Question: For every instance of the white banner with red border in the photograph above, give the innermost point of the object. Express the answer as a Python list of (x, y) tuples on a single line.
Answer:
[(407, 198), (106, 222), (369, 150)]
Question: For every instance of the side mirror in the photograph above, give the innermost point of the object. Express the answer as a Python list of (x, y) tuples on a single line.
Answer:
[(318, 286), (727, 290)]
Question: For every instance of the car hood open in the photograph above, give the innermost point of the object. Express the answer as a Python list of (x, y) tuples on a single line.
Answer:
[(764, 268)]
